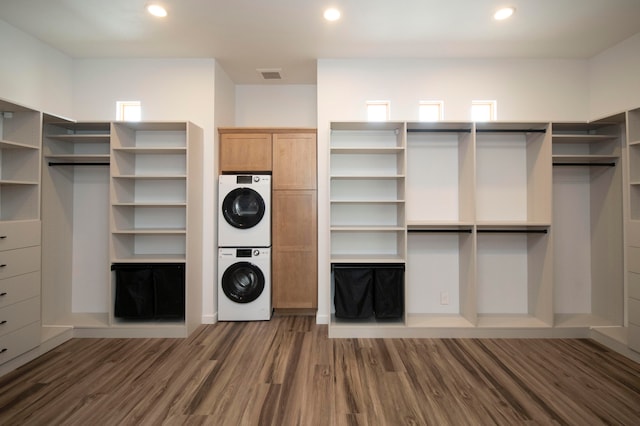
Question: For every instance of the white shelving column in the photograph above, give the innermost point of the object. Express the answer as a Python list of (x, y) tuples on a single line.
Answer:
[(20, 237), (156, 214), (367, 196), (513, 220), (588, 223), (440, 194)]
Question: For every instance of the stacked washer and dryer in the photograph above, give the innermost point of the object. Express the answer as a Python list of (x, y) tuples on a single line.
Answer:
[(244, 254)]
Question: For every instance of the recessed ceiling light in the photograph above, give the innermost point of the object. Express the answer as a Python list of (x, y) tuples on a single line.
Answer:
[(504, 13), (332, 14), (156, 10)]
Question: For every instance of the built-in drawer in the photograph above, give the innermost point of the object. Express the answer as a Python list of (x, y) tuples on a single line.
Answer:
[(633, 281), (19, 314), (634, 311), (633, 337), (19, 234), (18, 288), (19, 261), (19, 341)]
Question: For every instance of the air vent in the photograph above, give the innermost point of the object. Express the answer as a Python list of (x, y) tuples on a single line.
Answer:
[(270, 74)]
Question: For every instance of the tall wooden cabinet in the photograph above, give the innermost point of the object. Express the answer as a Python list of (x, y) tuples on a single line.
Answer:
[(294, 221), (290, 156), (20, 136)]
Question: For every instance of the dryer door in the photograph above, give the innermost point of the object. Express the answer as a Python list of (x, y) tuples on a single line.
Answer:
[(243, 208), (243, 282)]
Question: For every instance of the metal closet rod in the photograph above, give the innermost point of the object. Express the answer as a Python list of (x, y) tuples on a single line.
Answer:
[(514, 231), (439, 130), (511, 131), (77, 164), (585, 164), (467, 231)]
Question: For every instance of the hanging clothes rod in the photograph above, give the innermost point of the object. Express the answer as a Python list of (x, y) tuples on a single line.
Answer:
[(467, 231), (585, 164), (511, 131), (439, 130), (514, 231), (76, 164)]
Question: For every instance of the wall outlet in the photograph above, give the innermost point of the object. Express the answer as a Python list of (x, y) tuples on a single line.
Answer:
[(444, 297)]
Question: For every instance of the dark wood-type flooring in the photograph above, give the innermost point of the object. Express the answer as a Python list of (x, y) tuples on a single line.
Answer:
[(287, 372)]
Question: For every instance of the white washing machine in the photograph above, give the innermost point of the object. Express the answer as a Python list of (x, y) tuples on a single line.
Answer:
[(244, 284), (244, 211)]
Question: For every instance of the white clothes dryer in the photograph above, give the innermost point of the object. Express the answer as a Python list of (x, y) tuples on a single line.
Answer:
[(244, 211), (244, 284)]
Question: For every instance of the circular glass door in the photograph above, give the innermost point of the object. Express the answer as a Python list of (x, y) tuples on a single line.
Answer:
[(243, 282), (243, 208)]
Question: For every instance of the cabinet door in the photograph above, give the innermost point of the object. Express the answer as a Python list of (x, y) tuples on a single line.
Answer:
[(245, 152), (294, 253), (294, 161)]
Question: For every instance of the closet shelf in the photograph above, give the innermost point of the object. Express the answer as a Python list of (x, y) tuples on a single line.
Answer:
[(82, 138), (368, 228), (581, 138), (4, 144), (368, 177), (366, 150), (152, 150), (151, 231), (17, 182)]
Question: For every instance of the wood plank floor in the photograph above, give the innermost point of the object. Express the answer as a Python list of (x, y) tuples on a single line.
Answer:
[(287, 372)]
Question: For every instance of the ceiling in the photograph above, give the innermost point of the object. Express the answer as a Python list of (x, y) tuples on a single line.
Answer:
[(244, 35)]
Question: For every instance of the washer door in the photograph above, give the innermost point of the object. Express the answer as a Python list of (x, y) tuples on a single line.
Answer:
[(243, 282), (243, 208)]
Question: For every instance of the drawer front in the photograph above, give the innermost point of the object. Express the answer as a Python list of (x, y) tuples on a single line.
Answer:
[(634, 337), (19, 288), (19, 342), (15, 235), (634, 311), (18, 315), (19, 261), (633, 281)]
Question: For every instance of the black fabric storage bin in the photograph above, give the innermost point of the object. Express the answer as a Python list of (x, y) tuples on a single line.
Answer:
[(388, 292), (134, 292), (149, 291), (353, 297)]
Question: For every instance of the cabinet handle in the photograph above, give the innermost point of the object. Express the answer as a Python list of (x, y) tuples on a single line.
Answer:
[(3, 322), (3, 265), (3, 350), (2, 237), (4, 293)]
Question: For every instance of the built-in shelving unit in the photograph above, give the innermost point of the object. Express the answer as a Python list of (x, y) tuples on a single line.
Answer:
[(20, 237), (367, 199), (588, 223), (156, 205), (632, 230), (75, 217)]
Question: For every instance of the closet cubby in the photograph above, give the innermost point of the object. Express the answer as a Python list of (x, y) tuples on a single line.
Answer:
[(71, 142), (20, 141), (440, 281), (440, 164), (588, 219), (514, 277), (513, 174)]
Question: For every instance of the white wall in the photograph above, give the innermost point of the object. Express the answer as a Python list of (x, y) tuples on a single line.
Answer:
[(276, 106), (34, 74), (614, 79), (171, 90)]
